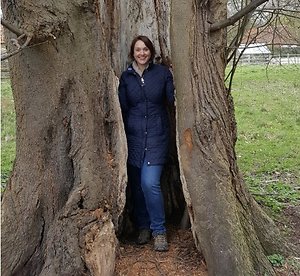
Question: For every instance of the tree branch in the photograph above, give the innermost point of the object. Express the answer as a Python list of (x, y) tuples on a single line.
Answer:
[(231, 20), (280, 12), (20, 48), (11, 27), (277, 9)]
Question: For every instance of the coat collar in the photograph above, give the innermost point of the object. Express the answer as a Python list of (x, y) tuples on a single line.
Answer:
[(137, 69), (133, 69)]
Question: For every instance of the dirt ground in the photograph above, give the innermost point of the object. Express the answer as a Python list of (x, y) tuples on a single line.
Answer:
[(184, 259), (290, 227), (181, 259)]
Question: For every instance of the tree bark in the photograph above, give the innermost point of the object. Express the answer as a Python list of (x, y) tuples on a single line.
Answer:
[(150, 18), (228, 226), (61, 207)]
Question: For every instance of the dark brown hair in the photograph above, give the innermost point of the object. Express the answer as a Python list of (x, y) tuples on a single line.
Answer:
[(147, 42)]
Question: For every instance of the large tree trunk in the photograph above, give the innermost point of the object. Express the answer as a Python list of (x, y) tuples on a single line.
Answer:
[(228, 226), (67, 187), (61, 207)]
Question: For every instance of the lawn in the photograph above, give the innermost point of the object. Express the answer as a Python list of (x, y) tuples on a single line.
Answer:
[(8, 132), (268, 118)]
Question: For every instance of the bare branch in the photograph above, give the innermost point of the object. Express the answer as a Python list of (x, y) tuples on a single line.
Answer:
[(231, 20), (19, 49), (232, 48), (272, 9), (11, 27), (15, 41), (236, 58), (280, 12), (238, 37)]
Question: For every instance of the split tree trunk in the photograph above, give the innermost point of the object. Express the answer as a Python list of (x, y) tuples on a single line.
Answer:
[(67, 190), (229, 228)]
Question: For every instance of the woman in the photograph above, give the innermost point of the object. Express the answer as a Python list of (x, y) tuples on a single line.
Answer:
[(145, 89)]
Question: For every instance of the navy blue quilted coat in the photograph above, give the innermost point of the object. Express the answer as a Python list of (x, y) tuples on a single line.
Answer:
[(144, 107)]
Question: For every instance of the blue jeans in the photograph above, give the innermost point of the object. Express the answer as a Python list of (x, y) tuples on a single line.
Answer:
[(148, 204)]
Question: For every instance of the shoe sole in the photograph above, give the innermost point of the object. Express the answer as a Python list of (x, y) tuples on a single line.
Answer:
[(161, 249)]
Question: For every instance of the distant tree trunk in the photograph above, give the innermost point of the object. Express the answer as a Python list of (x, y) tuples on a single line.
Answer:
[(61, 207)]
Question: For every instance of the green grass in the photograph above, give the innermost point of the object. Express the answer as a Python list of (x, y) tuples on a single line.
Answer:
[(8, 133), (268, 118)]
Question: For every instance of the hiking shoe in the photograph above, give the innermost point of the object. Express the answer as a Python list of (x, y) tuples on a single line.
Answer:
[(144, 236), (160, 242)]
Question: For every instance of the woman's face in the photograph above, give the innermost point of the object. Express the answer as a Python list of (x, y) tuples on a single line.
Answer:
[(141, 53)]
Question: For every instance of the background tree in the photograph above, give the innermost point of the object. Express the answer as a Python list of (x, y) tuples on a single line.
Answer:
[(273, 24), (67, 190)]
